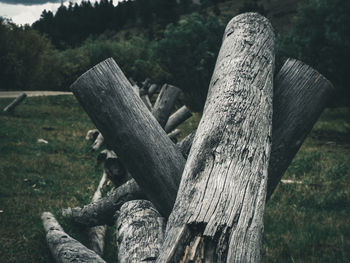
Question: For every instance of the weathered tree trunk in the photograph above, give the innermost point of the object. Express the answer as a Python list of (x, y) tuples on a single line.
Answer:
[(132, 132), (140, 230), (97, 143), (15, 102), (64, 248), (102, 211), (116, 171), (218, 213), (177, 118), (165, 103), (97, 233), (152, 89), (301, 94)]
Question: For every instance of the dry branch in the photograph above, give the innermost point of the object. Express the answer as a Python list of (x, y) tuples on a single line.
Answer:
[(102, 211)]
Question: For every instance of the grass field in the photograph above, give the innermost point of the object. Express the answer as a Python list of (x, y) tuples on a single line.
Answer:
[(307, 221)]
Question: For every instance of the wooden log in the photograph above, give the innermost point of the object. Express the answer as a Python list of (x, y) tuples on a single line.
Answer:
[(97, 233), (144, 97), (218, 213), (140, 230), (102, 211), (64, 248), (172, 135), (134, 86), (97, 143), (165, 103), (177, 118), (15, 103), (132, 132), (301, 94), (185, 145), (152, 89)]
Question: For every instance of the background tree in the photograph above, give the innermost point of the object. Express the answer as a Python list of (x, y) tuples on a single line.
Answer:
[(320, 36)]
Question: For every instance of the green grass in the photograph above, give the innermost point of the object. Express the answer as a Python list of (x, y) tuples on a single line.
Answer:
[(307, 222)]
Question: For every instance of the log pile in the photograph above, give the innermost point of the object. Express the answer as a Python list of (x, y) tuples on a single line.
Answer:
[(202, 199)]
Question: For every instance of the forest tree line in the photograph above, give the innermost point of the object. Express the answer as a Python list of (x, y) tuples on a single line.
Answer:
[(175, 45)]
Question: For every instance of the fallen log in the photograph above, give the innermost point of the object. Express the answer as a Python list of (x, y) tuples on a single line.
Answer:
[(142, 145), (102, 211), (144, 97), (218, 213), (64, 248), (177, 118), (172, 135), (165, 103), (140, 230), (294, 118), (15, 103), (97, 233), (92, 134)]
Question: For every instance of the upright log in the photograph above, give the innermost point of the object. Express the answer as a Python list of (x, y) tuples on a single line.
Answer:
[(165, 103), (102, 211), (177, 118), (132, 132), (301, 94), (218, 213), (64, 248), (140, 230), (15, 103)]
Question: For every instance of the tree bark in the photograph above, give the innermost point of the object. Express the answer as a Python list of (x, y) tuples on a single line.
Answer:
[(172, 135), (177, 118), (64, 248), (102, 211), (97, 233), (132, 132), (15, 103), (218, 213), (140, 230), (165, 103), (301, 94), (185, 145)]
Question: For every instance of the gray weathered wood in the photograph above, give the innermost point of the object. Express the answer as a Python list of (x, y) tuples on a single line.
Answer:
[(165, 103), (15, 103), (172, 135), (116, 171), (140, 230), (64, 248), (144, 97), (185, 145), (97, 233), (97, 143), (132, 132), (301, 94), (92, 134), (218, 213), (152, 89), (177, 118), (102, 211)]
